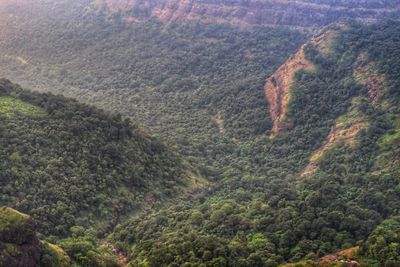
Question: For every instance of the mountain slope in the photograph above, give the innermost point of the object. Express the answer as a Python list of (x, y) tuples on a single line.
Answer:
[(303, 158), (69, 164), (265, 212), (172, 81), (304, 13)]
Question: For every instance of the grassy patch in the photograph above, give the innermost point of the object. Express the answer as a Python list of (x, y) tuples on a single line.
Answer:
[(12, 249), (53, 255), (391, 139), (10, 107), (10, 216), (353, 115)]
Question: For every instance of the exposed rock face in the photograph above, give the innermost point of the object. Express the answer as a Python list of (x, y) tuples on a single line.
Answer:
[(344, 258), (19, 246), (301, 13), (277, 88), (219, 121), (337, 134), (345, 130)]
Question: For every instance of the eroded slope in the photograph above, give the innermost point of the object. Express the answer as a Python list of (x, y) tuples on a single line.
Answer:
[(344, 131), (303, 13), (278, 86)]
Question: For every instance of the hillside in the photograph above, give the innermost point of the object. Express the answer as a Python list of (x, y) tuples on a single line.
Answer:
[(268, 210), (298, 14), (172, 81), (294, 126), (69, 164), (179, 74)]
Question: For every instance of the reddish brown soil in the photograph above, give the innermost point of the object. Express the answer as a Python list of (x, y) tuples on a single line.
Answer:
[(344, 257), (277, 88), (337, 134)]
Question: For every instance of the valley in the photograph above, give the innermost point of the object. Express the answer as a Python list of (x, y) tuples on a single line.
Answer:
[(200, 132)]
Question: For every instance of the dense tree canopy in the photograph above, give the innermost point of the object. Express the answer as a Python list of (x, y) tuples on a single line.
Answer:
[(66, 163), (200, 88), (263, 212)]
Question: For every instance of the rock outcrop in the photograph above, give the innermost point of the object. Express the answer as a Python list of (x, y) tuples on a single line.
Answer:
[(343, 258), (277, 88), (345, 130), (301, 13), (19, 246)]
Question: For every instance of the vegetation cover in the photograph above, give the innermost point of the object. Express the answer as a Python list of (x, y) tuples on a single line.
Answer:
[(69, 164), (325, 181), (171, 80), (262, 212)]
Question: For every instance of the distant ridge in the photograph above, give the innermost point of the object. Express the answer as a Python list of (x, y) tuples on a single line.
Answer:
[(302, 13)]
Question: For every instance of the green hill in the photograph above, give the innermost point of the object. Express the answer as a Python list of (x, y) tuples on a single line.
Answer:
[(172, 80), (69, 164), (299, 140)]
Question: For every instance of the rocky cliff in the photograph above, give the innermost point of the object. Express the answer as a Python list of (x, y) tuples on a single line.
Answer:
[(277, 88), (301, 13), (19, 246)]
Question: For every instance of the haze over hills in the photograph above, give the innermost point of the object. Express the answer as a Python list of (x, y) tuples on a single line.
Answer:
[(303, 13), (138, 70), (293, 124)]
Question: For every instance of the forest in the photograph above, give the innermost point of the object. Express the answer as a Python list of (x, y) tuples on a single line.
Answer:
[(273, 215), (70, 164), (161, 151)]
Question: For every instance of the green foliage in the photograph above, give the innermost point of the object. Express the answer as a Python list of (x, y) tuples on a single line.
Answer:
[(79, 165), (84, 250), (11, 218), (12, 249), (383, 244), (53, 256), (10, 106), (15, 227), (262, 212), (170, 80)]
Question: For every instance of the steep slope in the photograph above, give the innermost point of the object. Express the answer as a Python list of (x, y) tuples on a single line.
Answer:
[(19, 246), (172, 81), (366, 73), (203, 88), (277, 88), (69, 164), (279, 85), (264, 213), (304, 13), (345, 130)]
